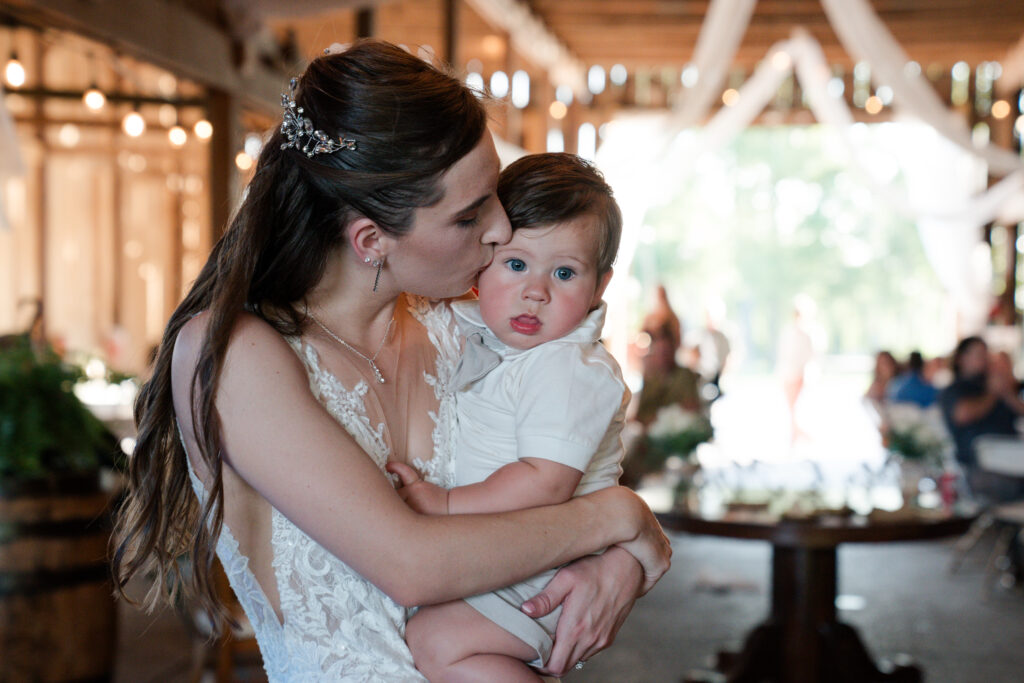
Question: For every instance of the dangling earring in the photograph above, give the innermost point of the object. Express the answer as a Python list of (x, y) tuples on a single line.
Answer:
[(376, 280)]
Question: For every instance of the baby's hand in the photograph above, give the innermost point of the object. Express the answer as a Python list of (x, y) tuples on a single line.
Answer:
[(421, 496)]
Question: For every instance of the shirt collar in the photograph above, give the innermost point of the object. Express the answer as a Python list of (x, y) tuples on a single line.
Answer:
[(467, 315)]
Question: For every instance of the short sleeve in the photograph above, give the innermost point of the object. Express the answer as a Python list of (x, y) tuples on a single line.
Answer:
[(567, 398)]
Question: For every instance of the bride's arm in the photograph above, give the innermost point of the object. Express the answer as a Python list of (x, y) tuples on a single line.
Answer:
[(285, 445)]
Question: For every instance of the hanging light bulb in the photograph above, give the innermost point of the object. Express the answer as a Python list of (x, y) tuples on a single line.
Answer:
[(203, 129), (94, 98), (243, 161), (133, 124), (14, 73), (177, 135)]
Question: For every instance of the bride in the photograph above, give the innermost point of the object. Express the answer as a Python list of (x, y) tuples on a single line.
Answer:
[(316, 345)]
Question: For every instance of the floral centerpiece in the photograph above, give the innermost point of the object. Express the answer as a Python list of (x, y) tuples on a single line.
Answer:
[(675, 431), (916, 434)]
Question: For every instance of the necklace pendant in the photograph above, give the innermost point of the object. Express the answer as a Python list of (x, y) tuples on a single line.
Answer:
[(377, 373)]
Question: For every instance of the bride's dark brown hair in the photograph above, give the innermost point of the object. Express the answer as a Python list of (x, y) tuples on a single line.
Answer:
[(411, 122)]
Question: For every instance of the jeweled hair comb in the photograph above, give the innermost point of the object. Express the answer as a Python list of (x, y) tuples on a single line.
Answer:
[(300, 131)]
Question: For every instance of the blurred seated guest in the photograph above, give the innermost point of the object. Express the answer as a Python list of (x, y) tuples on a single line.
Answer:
[(1001, 363), (937, 372), (712, 352), (665, 383), (982, 399), (911, 386), (886, 368)]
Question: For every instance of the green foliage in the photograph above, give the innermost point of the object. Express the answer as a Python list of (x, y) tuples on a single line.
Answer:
[(659, 448), (779, 212), (909, 446), (44, 428)]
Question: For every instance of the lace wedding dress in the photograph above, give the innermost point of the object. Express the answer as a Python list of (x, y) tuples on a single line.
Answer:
[(337, 625)]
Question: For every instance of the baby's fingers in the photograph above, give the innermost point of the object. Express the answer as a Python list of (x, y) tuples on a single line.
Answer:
[(406, 474)]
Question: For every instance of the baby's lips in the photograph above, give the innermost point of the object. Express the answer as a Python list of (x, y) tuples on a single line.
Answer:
[(525, 324)]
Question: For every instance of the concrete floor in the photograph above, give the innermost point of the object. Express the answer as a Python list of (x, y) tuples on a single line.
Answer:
[(717, 590)]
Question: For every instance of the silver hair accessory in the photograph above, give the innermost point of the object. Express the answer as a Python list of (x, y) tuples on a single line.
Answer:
[(336, 48), (300, 132)]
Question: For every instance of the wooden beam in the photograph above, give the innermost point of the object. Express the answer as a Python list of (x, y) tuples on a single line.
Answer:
[(166, 34)]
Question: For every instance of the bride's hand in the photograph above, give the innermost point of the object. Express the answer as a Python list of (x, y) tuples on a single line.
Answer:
[(648, 544), (596, 593)]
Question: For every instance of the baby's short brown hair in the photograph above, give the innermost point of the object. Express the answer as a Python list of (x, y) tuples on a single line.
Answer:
[(543, 189)]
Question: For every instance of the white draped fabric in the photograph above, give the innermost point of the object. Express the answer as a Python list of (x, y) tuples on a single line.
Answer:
[(866, 38), (720, 36), (945, 189)]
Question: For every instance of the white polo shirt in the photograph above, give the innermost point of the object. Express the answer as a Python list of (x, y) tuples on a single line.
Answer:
[(564, 401)]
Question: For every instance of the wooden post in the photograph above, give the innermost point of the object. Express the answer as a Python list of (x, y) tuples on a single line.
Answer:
[(365, 22), (223, 179), (41, 195), (451, 32)]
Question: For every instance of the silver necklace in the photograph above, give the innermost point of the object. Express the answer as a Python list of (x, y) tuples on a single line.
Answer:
[(368, 359)]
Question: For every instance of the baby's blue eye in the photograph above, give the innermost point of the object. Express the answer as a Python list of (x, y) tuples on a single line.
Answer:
[(516, 264), (564, 273)]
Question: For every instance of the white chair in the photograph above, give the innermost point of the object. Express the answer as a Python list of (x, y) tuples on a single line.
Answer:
[(1000, 454), (1003, 455)]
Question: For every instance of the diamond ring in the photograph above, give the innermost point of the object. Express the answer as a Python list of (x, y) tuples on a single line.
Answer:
[(579, 664)]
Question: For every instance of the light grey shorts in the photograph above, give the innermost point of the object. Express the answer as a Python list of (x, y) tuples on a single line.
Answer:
[(503, 608)]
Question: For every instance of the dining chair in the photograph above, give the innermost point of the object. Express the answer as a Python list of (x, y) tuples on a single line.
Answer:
[(1004, 456)]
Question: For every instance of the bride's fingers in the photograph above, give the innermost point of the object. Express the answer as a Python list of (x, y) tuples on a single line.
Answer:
[(406, 474)]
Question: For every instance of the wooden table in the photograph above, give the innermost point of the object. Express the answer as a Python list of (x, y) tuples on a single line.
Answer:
[(801, 641)]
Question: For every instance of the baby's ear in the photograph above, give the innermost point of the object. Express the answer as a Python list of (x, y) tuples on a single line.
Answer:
[(602, 283)]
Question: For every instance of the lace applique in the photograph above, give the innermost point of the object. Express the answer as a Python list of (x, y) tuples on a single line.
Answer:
[(345, 406), (268, 630), (437, 319), (337, 626)]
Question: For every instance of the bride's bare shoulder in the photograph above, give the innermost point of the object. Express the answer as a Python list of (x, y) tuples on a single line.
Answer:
[(251, 339)]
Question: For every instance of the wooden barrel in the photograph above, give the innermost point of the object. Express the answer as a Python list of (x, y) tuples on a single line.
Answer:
[(57, 612)]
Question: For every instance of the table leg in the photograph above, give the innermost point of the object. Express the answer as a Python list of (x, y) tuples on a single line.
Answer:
[(803, 599), (815, 646), (802, 642)]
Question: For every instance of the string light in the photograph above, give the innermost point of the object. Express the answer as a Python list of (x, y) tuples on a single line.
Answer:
[(873, 104), (14, 72), (557, 110), (499, 84), (177, 135), (133, 124), (1000, 109), (69, 135), (618, 74), (520, 89), (203, 129), (94, 98), (243, 161)]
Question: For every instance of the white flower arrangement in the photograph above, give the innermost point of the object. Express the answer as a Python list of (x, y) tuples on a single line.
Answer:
[(916, 433), (675, 431)]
